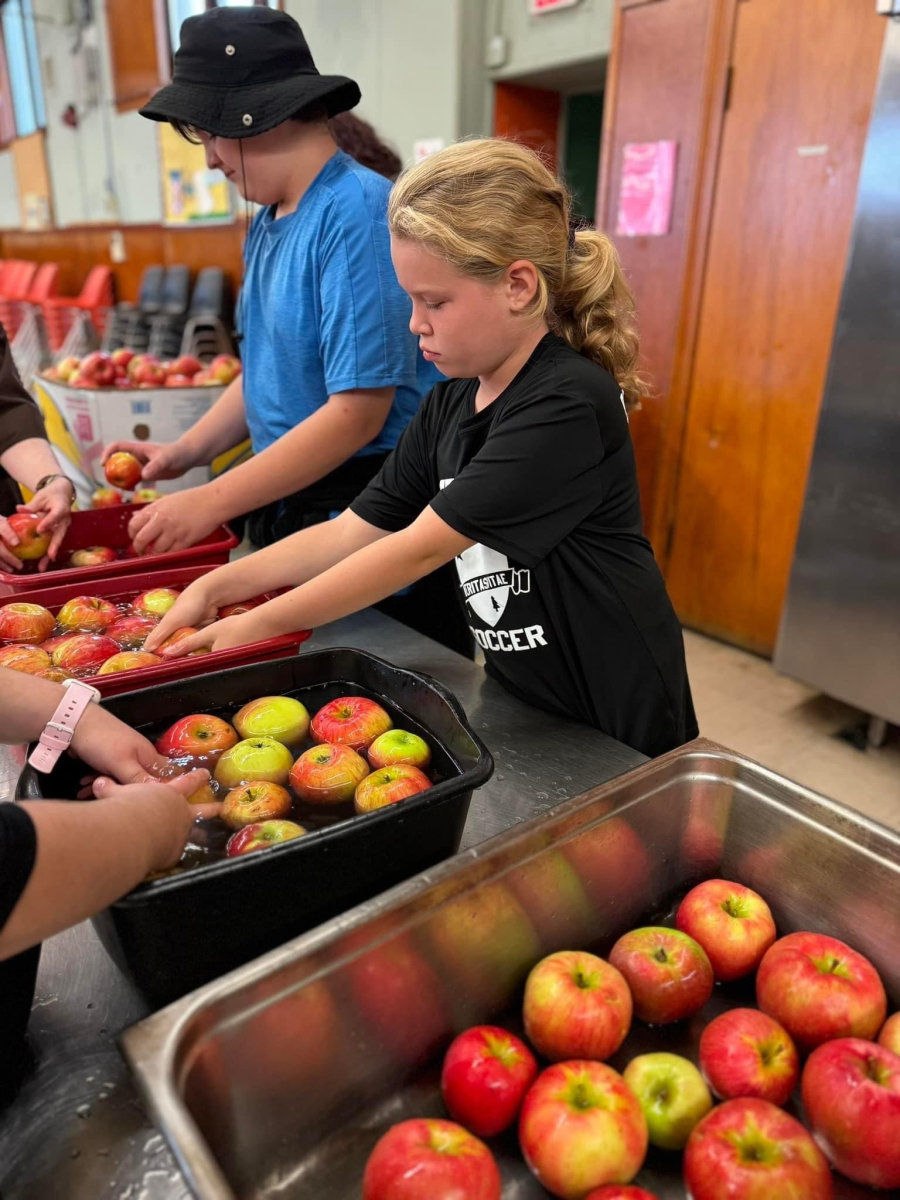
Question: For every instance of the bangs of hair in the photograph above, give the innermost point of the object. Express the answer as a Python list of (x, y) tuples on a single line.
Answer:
[(188, 132)]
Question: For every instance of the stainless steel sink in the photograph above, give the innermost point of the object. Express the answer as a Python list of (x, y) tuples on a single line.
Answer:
[(276, 1080)]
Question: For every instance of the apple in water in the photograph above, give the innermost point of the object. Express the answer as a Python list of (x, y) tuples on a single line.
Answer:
[(255, 802), (67, 368), (92, 556), (106, 498), (389, 786), (129, 660), (819, 989), (576, 1006), (743, 1052), (350, 721), (669, 974), (237, 610), (398, 746), (56, 674), (549, 889), (26, 623), (146, 495), (428, 1159), (258, 837), (131, 632), (672, 1095), (731, 922), (328, 774), (31, 660), (52, 642), (581, 1127), (614, 869), (281, 717), (179, 635), (32, 545), (199, 735), (156, 602), (617, 1191), (259, 759), (87, 614), (123, 470), (485, 1076), (890, 1034), (751, 1150), (84, 652)]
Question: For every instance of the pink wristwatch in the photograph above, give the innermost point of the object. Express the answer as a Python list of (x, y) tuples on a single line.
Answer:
[(60, 729)]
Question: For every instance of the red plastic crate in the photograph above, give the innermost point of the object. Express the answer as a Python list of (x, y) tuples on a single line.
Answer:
[(109, 527), (123, 590)]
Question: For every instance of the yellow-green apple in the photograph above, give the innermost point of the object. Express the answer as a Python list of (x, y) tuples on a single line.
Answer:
[(672, 1095), (731, 922), (614, 868), (818, 988), (350, 721), (122, 357), (84, 652), (581, 1127), (890, 1034), (751, 1150), (198, 735), (32, 545), (485, 1076), (260, 836), (129, 660), (224, 368), (743, 1052), (550, 891), (576, 1006), (669, 974), (259, 759), (389, 785), (428, 1159), (618, 1191), (106, 498), (485, 945), (254, 802), (131, 632), (99, 368), (328, 774), (281, 717), (26, 623), (123, 470), (30, 660), (87, 614), (398, 746), (851, 1093), (92, 556), (156, 602), (67, 368), (180, 635), (146, 495)]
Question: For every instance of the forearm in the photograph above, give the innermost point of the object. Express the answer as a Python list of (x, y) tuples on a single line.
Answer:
[(224, 426), (29, 461), (26, 705)]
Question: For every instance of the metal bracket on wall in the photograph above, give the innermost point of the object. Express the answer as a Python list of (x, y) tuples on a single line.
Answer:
[(888, 8)]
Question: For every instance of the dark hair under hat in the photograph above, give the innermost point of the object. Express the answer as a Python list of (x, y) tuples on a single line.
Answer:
[(241, 71)]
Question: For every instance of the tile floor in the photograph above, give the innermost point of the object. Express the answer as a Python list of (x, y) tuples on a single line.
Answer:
[(743, 703)]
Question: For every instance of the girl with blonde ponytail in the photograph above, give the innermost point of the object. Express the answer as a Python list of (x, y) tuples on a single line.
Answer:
[(519, 467)]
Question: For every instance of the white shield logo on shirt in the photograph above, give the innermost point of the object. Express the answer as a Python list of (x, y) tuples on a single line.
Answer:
[(486, 580)]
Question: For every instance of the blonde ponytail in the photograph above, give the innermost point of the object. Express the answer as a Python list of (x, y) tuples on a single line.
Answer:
[(482, 204)]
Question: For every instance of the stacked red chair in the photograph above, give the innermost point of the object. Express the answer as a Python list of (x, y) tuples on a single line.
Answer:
[(95, 300)]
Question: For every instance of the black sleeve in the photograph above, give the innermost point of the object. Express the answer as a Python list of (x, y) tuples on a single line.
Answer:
[(537, 477), (18, 847), (20, 417), (405, 484)]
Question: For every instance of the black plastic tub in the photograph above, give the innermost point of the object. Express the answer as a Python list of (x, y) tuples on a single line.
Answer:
[(175, 933)]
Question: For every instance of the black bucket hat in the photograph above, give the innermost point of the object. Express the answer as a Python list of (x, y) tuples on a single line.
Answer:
[(241, 71)]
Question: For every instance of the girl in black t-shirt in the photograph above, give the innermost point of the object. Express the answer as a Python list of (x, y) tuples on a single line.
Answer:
[(520, 468)]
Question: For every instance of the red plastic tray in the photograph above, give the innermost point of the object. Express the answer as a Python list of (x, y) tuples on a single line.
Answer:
[(125, 589), (109, 527)]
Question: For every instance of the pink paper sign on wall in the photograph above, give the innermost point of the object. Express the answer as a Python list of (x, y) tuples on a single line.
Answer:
[(647, 188)]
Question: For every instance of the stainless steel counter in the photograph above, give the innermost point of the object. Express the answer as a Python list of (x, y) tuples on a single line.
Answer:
[(75, 1130)]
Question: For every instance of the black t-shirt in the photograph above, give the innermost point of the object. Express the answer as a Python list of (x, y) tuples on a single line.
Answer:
[(18, 846), (561, 588)]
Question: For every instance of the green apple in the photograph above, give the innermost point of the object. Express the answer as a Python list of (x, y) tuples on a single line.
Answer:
[(279, 717), (252, 761), (672, 1094)]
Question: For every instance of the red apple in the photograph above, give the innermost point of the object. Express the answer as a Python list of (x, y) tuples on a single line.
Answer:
[(67, 368), (81, 381), (204, 379), (31, 660), (138, 361), (669, 974), (51, 643), (199, 735), (851, 1093), (32, 545), (155, 603), (255, 802), (145, 495), (750, 1150), (254, 760), (178, 381), (745, 1053), (614, 868), (186, 364), (179, 635), (398, 746), (280, 717), (328, 774), (122, 380), (485, 1076), (351, 721), (237, 610), (149, 375), (259, 837), (84, 652), (890, 1034), (581, 1127), (92, 556), (732, 923), (106, 498), (87, 614), (819, 989), (99, 369), (615, 1191), (576, 1006), (427, 1159), (123, 470), (129, 660), (224, 368), (389, 786), (122, 357), (26, 623), (131, 632)]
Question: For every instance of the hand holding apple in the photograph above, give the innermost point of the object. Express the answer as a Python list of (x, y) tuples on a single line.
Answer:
[(123, 471), (731, 922), (669, 974), (576, 1006), (485, 1076), (672, 1096), (430, 1160), (21, 540), (743, 1052)]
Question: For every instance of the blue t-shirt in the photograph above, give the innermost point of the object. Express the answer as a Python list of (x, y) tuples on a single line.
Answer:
[(322, 311)]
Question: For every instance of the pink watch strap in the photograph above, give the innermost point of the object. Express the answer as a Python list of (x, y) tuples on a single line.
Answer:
[(60, 729)]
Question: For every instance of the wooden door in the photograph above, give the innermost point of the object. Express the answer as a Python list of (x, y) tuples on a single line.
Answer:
[(528, 115), (803, 80)]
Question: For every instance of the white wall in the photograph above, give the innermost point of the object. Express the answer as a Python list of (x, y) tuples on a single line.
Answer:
[(557, 38), (10, 212)]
